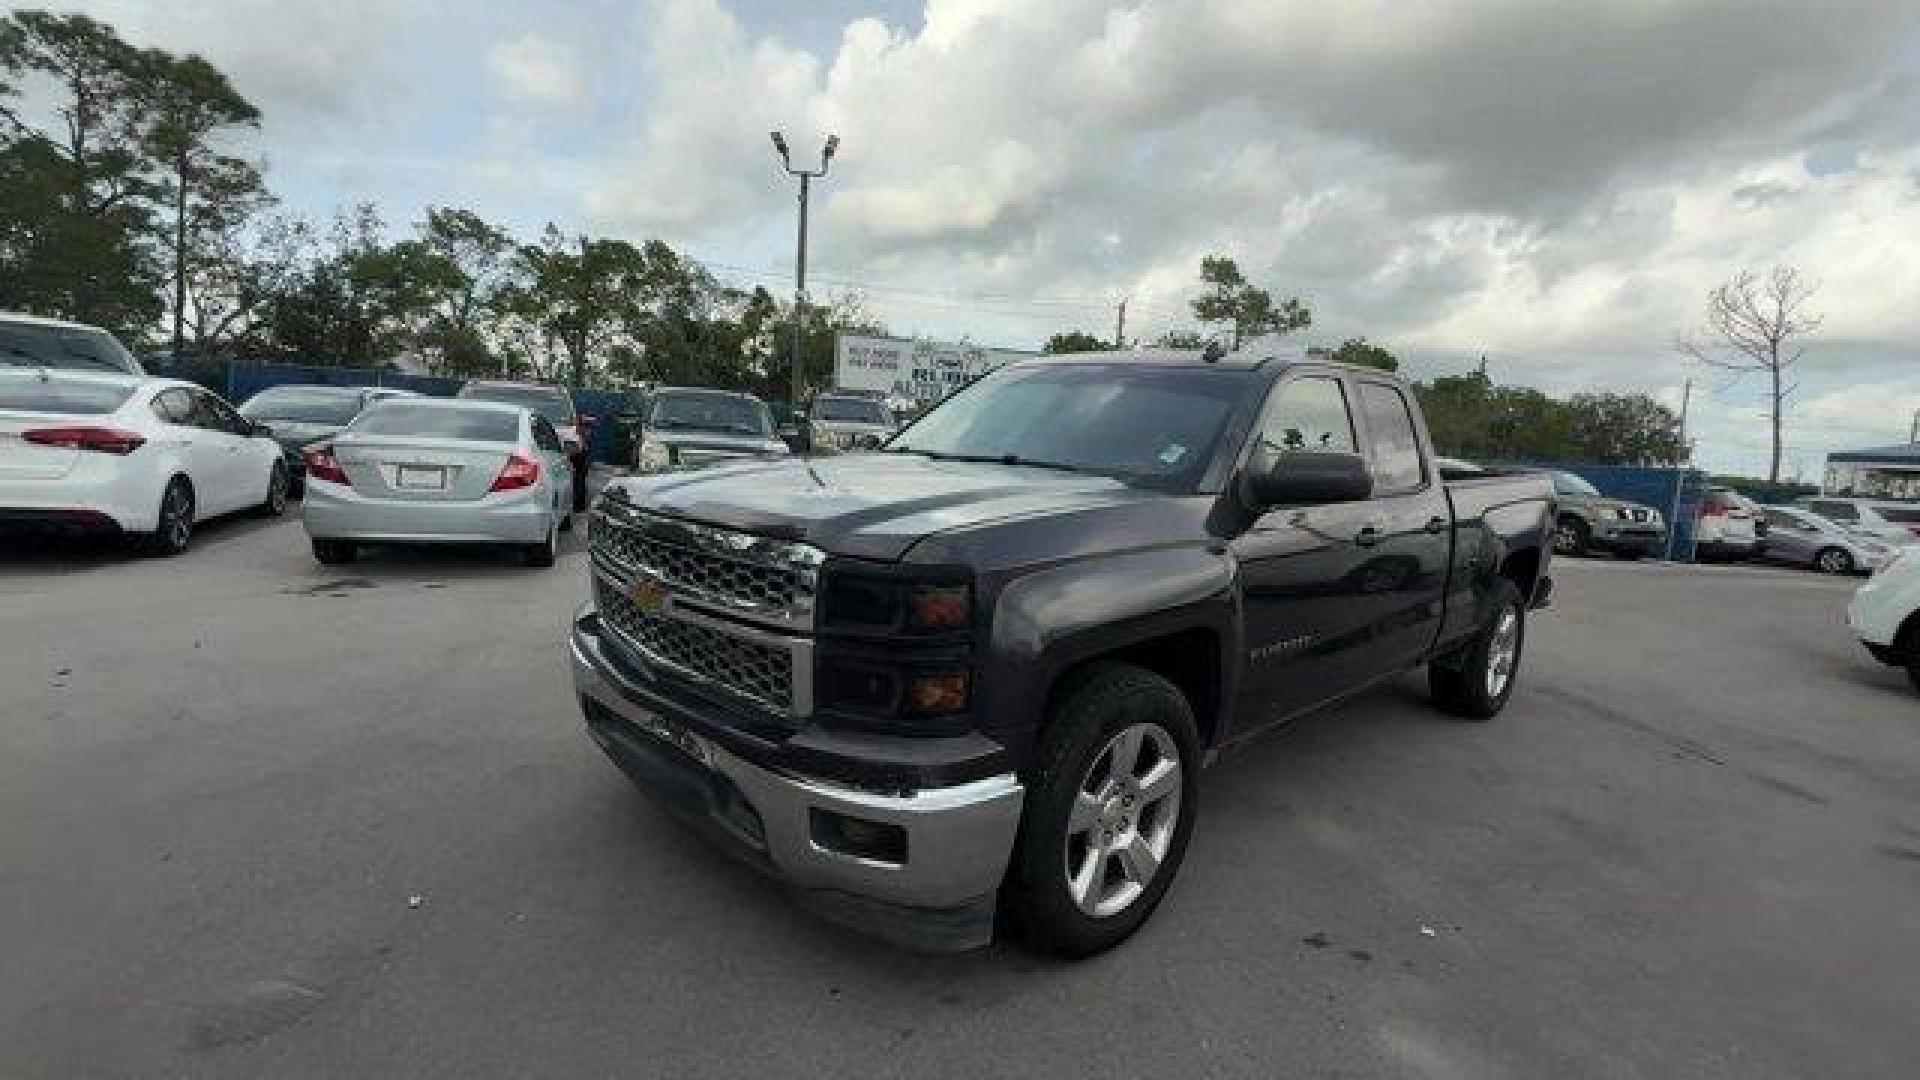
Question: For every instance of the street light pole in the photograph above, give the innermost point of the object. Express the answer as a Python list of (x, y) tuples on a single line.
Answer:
[(807, 177)]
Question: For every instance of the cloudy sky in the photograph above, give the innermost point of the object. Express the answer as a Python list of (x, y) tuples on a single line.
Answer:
[(1554, 186)]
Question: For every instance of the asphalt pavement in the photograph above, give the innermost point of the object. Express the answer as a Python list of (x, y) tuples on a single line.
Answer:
[(264, 818)]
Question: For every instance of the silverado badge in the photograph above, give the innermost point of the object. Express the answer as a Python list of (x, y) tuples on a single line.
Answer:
[(648, 595)]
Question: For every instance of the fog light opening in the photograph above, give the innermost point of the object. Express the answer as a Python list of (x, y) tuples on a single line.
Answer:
[(871, 841)]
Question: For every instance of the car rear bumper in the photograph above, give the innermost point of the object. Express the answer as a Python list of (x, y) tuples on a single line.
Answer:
[(332, 511), (920, 868), (73, 503)]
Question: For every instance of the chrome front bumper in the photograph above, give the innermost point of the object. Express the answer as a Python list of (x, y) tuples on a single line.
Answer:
[(957, 840)]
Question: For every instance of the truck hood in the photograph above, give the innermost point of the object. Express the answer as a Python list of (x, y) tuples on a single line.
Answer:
[(867, 506)]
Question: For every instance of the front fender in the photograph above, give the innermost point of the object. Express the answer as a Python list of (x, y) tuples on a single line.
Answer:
[(1047, 621)]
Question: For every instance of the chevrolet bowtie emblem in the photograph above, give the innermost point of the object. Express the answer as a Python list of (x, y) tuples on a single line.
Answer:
[(648, 595)]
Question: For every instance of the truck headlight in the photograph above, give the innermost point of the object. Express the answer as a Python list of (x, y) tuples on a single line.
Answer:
[(653, 457)]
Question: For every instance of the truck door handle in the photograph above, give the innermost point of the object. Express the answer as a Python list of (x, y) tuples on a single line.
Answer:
[(1368, 537), (1436, 525)]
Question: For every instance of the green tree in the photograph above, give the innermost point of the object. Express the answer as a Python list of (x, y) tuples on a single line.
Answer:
[(1075, 341), (574, 305), (1625, 429), (77, 207), (1248, 310), (208, 195), (1360, 352), (1181, 339)]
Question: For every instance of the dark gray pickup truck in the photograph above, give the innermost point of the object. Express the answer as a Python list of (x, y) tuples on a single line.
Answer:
[(977, 674)]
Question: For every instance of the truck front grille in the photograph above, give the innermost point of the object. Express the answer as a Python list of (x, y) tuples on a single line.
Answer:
[(754, 577), (703, 653)]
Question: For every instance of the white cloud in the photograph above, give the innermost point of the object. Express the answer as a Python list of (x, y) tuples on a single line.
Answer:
[(538, 70)]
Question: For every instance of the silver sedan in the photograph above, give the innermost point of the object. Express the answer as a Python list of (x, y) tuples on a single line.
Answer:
[(1801, 538), (438, 471)]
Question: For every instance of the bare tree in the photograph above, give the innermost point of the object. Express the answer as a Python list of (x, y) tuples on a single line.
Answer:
[(1751, 326)]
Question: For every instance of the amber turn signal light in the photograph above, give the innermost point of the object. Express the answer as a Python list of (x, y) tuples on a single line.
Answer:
[(942, 693), (939, 607)]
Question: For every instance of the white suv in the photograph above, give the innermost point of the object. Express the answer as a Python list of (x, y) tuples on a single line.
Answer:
[(1883, 612)]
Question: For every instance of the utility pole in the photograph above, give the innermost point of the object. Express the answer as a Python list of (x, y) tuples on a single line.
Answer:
[(1913, 435), (1686, 399), (800, 257), (1120, 326)]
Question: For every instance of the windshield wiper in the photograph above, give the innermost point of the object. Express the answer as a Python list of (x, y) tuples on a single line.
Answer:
[(991, 459)]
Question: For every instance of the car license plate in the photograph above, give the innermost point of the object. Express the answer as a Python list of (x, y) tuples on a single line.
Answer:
[(431, 477), (675, 736)]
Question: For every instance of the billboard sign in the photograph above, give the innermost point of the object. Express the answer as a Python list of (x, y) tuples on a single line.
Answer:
[(905, 369)]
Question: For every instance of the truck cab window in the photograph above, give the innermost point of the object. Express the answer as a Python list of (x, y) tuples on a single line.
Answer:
[(1306, 416), (1394, 445)]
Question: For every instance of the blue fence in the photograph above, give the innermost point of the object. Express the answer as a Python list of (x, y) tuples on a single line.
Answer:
[(241, 379)]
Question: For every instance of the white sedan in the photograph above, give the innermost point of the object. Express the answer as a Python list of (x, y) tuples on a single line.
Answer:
[(84, 452)]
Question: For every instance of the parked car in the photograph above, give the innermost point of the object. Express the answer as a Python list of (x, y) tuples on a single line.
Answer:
[(439, 471), (301, 414), (850, 421), (1885, 612), (86, 452), (30, 341), (687, 428), (990, 660), (1894, 523), (1800, 537), (1589, 521), (555, 405), (1727, 528)]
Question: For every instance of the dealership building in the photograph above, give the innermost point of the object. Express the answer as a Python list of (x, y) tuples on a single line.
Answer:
[(1886, 472)]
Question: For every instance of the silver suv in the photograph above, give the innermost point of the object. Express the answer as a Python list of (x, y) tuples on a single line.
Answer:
[(1590, 521)]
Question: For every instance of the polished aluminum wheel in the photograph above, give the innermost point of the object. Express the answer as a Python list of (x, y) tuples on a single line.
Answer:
[(1124, 814), (1503, 651)]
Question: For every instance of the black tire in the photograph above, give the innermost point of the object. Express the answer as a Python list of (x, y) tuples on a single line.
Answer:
[(580, 485), (1833, 560), (330, 551), (1913, 671), (1571, 536), (173, 530), (1461, 683), (543, 554), (278, 486), (1630, 556), (1105, 702)]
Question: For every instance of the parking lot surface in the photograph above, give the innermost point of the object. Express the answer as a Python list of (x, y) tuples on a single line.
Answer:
[(263, 818)]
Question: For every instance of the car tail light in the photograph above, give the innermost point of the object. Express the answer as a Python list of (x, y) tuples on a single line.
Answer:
[(520, 471), (102, 440), (322, 465)]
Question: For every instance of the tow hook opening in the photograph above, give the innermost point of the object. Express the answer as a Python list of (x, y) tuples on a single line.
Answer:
[(858, 838)]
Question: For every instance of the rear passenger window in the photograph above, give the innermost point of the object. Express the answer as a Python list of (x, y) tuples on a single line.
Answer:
[(1307, 416), (1836, 511), (174, 407), (1394, 446)]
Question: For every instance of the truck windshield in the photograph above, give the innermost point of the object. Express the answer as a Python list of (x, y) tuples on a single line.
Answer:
[(1566, 483), (710, 412), (849, 410), (1152, 426)]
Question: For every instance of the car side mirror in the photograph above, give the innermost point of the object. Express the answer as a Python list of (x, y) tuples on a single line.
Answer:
[(1309, 480), (261, 431)]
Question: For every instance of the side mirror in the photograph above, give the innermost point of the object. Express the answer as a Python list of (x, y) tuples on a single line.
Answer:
[(1309, 480), (261, 431)]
